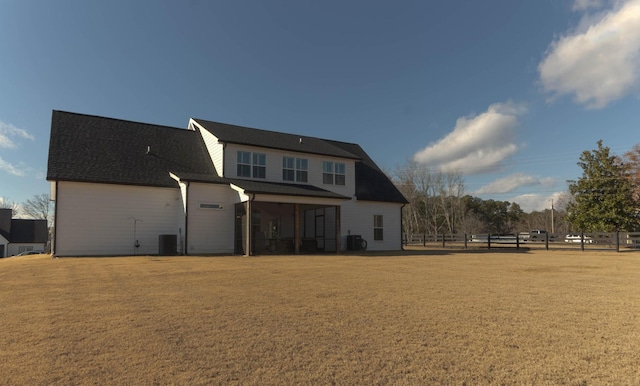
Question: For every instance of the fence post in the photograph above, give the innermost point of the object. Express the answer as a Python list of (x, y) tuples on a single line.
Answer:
[(488, 240), (546, 241), (465, 241), (617, 241), (443, 238), (582, 241), (517, 241), (424, 239)]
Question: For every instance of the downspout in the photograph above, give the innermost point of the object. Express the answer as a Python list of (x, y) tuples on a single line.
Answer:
[(186, 219), (249, 244), (54, 241)]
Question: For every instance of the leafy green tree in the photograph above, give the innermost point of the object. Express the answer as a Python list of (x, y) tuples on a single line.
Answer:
[(603, 199), (495, 216)]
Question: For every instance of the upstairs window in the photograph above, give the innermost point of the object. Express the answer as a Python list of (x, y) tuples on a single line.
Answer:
[(340, 177), (259, 165), (251, 164), (244, 164), (288, 172), (327, 173), (333, 173), (378, 228), (302, 170), (295, 169)]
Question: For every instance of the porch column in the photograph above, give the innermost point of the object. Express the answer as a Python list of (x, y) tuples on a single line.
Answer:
[(296, 232), (247, 241), (338, 232)]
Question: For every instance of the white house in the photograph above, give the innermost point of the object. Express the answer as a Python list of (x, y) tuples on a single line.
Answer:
[(124, 188)]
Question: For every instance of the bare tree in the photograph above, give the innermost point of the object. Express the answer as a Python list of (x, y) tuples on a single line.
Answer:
[(38, 207), (6, 203), (434, 197)]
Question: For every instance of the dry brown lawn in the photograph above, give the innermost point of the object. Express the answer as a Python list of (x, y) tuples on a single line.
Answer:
[(430, 317)]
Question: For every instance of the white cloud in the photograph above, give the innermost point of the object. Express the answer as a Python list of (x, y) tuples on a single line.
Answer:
[(537, 202), (11, 169), (478, 143), (513, 182), (9, 132), (600, 61)]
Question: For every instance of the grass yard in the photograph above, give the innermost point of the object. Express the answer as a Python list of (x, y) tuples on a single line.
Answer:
[(432, 317)]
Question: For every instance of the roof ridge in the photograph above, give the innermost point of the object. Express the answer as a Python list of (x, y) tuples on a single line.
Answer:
[(273, 131), (119, 120)]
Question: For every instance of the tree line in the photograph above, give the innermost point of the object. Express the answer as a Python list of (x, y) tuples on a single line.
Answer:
[(39, 207), (606, 198)]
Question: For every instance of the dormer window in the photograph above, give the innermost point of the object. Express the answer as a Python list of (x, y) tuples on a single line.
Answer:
[(333, 173)]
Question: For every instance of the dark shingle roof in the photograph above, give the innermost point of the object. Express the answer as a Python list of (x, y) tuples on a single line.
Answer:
[(371, 182), (28, 231), (264, 187), (251, 186), (273, 140), (88, 148)]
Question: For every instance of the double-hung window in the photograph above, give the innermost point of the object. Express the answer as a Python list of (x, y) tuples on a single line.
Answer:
[(340, 177), (251, 164), (244, 164), (259, 165), (288, 171), (378, 228), (333, 173), (295, 169), (302, 170)]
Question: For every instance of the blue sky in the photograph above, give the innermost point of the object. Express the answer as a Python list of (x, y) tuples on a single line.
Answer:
[(509, 92)]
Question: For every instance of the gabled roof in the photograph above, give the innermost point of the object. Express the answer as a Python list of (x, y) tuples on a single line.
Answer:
[(371, 182), (28, 231), (273, 140), (88, 148)]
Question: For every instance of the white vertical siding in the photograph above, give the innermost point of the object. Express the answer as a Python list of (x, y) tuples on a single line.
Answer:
[(357, 219), (96, 219), (215, 149), (211, 230)]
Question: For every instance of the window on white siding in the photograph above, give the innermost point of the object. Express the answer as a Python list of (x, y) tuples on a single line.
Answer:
[(259, 165), (333, 173), (340, 177), (302, 169), (288, 172), (244, 164), (378, 228), (251, 164), (295, 169), (327, 173)]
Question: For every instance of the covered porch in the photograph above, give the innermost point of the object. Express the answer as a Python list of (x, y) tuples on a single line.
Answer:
[(305, 221)]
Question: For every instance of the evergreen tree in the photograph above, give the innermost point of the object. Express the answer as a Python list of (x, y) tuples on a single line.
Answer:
[(603, 196)]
